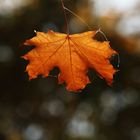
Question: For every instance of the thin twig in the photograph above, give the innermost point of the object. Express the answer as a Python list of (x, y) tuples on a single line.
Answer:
[(99, 31), (77, 17), (118, 65), (118, 56)]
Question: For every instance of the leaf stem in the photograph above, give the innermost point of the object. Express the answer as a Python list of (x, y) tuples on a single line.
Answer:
[(65, 15)]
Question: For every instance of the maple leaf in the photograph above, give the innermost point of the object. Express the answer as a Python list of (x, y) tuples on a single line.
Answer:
[(72, 54)]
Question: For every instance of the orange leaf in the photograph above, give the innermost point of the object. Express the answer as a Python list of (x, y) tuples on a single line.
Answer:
[(72, 54)]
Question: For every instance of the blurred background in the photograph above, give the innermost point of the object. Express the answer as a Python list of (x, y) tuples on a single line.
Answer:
[(41, 109)]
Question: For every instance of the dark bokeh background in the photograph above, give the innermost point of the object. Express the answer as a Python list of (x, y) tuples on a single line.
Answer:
[(43, 110)]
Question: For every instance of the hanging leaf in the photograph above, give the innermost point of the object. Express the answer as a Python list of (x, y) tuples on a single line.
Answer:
[(72, 54)]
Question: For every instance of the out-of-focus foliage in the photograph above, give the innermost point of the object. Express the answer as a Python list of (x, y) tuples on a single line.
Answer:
[(42, 110)]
